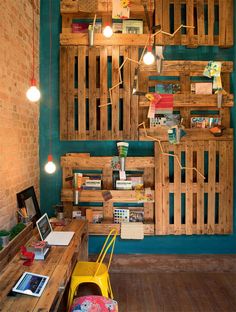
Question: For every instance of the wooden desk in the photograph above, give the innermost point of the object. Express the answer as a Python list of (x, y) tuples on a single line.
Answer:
[(58, 266)]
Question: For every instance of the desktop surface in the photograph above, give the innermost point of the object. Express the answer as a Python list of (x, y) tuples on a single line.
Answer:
[(58, 266)]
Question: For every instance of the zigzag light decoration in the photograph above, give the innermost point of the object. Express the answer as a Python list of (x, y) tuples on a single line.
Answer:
[(141, 57), (168, 154)]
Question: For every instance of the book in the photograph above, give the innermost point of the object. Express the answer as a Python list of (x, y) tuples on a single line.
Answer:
[(205, 122), (167, 88), (137, 182), (123, 185), (37, 245), (39, 248), (201, 87), (136, 216), (117, 28), (121, 215), (168, 120), (82, 27), (41, 255), (92, 185)]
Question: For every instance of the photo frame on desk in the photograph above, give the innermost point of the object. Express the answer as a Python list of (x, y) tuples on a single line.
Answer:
[(27, 199)]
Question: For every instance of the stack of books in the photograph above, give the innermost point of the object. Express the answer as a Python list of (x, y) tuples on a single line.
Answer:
[(39, 248), (92, 185)]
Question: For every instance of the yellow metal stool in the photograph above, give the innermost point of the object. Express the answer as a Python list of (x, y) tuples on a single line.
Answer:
[(94, 272)]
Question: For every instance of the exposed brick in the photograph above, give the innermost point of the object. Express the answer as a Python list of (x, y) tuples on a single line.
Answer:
[(19, 155)]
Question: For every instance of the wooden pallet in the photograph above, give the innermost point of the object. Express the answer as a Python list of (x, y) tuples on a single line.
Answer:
[(212, 19), (72, 163), (185, 203), (202, 15), (183, 73), (84, 113)]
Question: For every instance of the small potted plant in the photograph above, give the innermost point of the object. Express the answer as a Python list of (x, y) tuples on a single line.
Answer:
[(4, 237)]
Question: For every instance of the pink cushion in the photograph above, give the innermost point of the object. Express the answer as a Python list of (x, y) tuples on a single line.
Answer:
[(94, 304)]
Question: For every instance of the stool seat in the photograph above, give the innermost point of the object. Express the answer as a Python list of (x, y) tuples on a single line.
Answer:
[(86, 268)]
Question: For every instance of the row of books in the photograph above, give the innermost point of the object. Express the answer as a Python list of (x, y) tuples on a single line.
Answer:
[(173, 88), (172, 120), (88, 181), (119, 215), (128, 26), (133, 181), (94, 182)]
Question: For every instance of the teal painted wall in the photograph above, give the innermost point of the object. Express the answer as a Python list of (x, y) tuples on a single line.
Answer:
[(50, 185)]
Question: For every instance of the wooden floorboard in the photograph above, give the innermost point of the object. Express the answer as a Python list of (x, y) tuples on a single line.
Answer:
[(175, 292)]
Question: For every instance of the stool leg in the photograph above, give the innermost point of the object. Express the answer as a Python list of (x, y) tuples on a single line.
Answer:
[(109, 287), (71, 295), (104, 289)]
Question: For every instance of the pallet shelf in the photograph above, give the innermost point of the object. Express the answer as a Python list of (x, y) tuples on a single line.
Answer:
[(83, 91), (184, 73), (99, 40), (185, 203), (213, 20), (191, 135), (71, 163)]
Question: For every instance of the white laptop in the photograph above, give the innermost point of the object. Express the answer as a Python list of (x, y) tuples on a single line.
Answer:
[(57, 238)]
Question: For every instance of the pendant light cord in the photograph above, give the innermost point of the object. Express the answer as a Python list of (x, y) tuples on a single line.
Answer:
[(50, 77), (150, 27), (33, 64)]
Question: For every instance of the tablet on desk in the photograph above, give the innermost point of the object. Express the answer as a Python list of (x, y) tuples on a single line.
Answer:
[(31, 284)]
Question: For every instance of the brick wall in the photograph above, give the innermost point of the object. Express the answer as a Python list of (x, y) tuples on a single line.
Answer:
[(19, 127)]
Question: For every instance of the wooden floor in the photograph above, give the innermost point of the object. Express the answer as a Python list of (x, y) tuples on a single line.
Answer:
[(175, 292)]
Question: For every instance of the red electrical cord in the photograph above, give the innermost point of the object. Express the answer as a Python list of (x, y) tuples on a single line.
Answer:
[(33, 64)]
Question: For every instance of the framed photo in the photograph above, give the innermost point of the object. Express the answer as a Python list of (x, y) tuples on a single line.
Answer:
[(28, 200), (132, 27)]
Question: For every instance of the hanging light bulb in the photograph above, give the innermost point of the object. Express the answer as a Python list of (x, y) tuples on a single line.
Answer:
[(50, 167), (107, 31), (33, 93), (148, 57)]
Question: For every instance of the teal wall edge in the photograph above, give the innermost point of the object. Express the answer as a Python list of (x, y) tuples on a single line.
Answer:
[(50, 185)]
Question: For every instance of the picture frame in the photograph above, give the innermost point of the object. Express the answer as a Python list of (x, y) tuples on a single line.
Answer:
[(132, 27), (27, 199)]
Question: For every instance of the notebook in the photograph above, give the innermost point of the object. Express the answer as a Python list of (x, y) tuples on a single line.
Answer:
[(58, 238)]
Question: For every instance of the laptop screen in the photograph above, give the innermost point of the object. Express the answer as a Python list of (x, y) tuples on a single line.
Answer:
[(44, 226)]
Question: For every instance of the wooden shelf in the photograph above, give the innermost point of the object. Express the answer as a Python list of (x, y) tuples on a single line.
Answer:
[(181, 67), (74, 163), (105, 227), (211, 156), (81, 39), (103, 6), (191, 135), (195, 100), (124, 196)]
